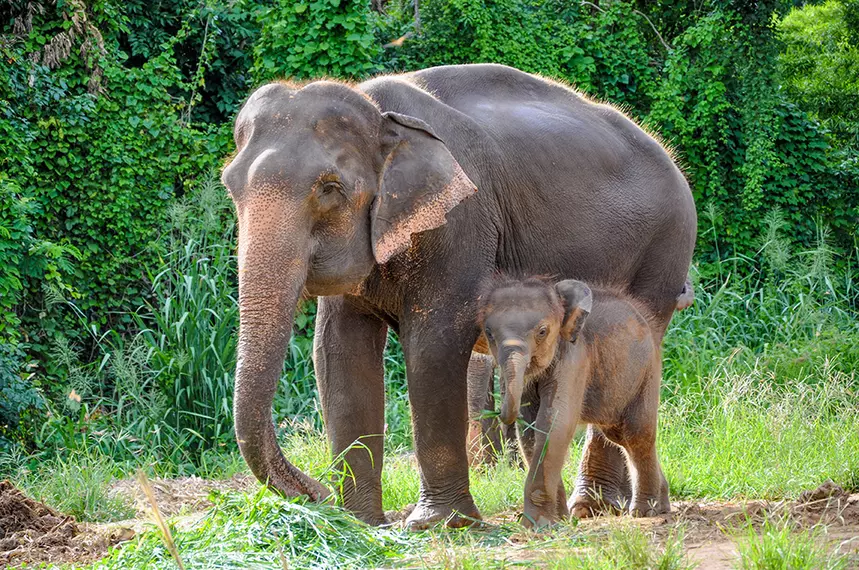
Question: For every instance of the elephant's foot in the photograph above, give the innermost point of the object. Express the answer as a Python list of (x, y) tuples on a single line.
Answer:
[(366, 505), (372, 519), (650, 508), (593, 500), (458, 514)]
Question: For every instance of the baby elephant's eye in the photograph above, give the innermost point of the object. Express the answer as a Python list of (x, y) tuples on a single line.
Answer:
[(542, 332), (488, 334)]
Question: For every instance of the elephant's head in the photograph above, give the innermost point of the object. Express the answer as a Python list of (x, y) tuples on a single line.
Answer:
[(524, 322), (325, 186)]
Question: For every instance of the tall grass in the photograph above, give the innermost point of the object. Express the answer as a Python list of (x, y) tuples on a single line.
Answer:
[(78, 486), (189, 335), (778, 546), (795, 309)]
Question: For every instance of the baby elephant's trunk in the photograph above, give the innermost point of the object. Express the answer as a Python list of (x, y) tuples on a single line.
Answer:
[(514, 381)]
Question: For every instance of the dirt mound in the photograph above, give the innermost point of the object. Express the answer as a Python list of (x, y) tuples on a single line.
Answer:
[(32, 532), (829, 504)]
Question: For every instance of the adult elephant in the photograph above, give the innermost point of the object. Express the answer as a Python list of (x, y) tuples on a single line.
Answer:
[(352, 193)]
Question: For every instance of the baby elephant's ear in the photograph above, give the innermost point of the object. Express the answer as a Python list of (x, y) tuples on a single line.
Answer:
[(578, 301)]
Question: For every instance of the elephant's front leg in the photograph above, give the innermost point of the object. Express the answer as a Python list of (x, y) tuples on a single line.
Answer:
[(436, 364), (347, 356)]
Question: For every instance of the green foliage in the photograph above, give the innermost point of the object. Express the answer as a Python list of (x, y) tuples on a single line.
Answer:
[(212, 42), (25, 259), (820, 58), (604, 51), (17, 394), (96, 150), (313, 38), (746, 149)]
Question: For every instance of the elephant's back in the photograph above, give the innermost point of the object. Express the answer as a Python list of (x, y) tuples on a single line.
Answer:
[(524, 111)]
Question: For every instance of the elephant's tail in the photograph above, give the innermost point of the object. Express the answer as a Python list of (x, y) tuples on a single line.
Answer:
[(686, 296)]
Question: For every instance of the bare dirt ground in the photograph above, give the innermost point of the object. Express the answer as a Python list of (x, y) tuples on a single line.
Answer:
[(31, 532), (710, 528), (181, 495)]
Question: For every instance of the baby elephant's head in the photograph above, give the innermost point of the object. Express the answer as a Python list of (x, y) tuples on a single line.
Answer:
[(524, 322)]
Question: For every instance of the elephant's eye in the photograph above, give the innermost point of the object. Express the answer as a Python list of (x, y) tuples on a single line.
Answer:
[(330, 188), (488, 334), (542, 332)]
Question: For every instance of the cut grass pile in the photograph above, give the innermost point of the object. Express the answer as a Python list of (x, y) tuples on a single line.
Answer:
[(262, 531)]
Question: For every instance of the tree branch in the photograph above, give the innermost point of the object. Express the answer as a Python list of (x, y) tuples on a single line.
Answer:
[(655, 31)]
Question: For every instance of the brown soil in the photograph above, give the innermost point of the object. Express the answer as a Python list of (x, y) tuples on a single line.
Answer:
[(182, 494), (710, 528), (32, 532)]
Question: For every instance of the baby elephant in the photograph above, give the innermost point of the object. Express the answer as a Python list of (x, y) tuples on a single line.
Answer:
[(570, 355)]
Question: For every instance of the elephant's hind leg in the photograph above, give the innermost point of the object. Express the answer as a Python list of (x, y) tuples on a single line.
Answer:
[(484, 433), (347, 355), (602, 485)]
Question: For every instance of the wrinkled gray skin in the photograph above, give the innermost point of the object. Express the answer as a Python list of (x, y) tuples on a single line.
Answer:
[(487, 437), (576, 356), (392, 200)]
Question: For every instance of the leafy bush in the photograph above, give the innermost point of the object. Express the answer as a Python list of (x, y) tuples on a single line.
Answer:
[(745, 148), (97, 150), (604, 51), (17, 394), (212, 41), (820, 59), (314, 38)]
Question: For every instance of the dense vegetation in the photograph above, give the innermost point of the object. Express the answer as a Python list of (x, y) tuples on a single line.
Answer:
[(117, 275)]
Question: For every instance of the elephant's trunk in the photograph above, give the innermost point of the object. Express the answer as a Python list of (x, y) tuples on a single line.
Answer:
[(513, 377), (272, 273)]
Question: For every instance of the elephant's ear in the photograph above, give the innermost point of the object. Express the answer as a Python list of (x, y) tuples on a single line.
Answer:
[(578, 302), (421, 182)]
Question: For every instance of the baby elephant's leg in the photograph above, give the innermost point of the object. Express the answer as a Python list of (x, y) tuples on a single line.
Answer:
[(545, 497), (649, 486), (602, 485)]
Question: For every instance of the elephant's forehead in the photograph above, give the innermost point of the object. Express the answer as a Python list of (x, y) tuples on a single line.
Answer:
[(525, 298), (318, 106)]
